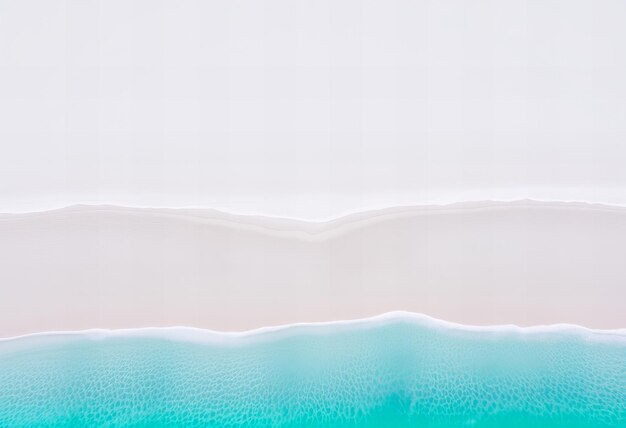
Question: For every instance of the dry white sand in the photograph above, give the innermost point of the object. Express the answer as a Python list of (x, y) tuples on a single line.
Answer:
[(525, 263)]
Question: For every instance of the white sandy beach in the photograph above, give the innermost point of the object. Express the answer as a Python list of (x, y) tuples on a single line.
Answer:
[(290, 115), (525, 263)]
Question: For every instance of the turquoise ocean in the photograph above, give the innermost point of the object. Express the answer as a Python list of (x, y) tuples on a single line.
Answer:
[(399, 370)]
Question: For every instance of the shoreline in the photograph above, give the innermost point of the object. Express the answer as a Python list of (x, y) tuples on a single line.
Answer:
[(304, 229), (488, 263), (201, 335), (286, 212)]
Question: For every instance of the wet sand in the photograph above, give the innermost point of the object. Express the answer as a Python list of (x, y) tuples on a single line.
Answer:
[(525, 263)]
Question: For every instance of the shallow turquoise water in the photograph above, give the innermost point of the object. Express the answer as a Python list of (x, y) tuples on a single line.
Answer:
[(397, 373)]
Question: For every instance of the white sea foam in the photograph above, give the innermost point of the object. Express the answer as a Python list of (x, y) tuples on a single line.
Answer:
[(194, 334)]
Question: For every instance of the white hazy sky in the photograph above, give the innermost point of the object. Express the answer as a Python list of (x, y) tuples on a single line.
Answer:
[(310, 108)]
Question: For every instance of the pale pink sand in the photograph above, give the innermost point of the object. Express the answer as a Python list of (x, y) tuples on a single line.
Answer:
[(525, 263)]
